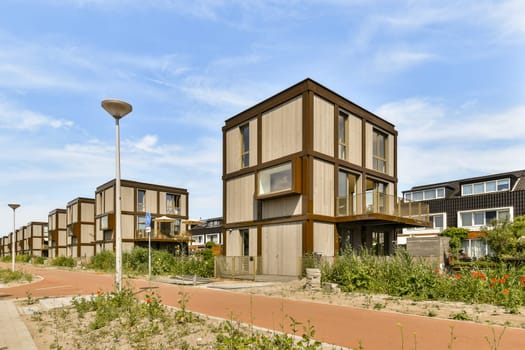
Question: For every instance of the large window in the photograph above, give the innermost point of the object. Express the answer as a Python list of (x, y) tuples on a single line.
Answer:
[(376, 197), (276, 180), (172, 203), (483, 217), (379, 151), (342, 126), (438, 221), (346, 193), (141, 225), (141, 198), (433, 193), (245, 145), (486, 187)]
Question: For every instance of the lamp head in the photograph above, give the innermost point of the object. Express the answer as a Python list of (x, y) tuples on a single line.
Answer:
[(116, 108), (13, 206)]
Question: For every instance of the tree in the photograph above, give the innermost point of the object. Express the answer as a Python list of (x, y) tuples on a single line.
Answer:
[(507, 238), (456, 235)]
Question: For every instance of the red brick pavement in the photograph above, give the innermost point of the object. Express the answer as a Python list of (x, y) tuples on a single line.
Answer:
[(333, 324)]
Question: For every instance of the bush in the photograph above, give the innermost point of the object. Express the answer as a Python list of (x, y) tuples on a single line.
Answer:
[(64, 261), (6, 276), (38, 260), (24, 258), (103, 261), (401, 275)]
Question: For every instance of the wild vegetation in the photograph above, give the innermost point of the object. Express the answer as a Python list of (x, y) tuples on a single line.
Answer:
[(507, 239), (403, 276), (162, 262), (7, 276), (124, 321)]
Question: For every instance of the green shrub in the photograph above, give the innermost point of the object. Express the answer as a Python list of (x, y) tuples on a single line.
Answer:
[(64, 261), (103, 261), (38, 260), (24, 258), (6, 258)]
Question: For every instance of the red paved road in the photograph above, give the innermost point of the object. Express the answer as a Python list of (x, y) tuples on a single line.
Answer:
[(333, 324)]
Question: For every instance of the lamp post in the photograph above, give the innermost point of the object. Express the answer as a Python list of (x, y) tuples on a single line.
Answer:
[(117, 109), (13, 238)]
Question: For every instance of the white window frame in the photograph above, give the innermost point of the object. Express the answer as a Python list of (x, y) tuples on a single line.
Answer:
[(409, 196), (460, 219), (484, 184), (432, 229)]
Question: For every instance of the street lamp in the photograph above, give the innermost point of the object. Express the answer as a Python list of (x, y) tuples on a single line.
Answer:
[(13, 238), (117, 109)]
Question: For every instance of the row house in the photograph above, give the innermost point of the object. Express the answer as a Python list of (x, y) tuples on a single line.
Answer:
[(167, 207), (80, 227), (57, 231), (86, 226), (471, 203), (35, 241), (206, 231), (309, 172)]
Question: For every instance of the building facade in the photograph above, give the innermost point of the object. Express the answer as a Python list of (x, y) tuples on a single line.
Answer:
[(36, 239), (205, 231), (168, 206), (471, 203), (308, 171), (57, 232), (81, 227)]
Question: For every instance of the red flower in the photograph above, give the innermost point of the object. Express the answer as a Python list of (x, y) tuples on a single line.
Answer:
[(494, 280), (502, 280), (491, 285), (458, 276), (148, 300), (522, 279), (99, 292), (505, 291), (506, 276), (482, 277)]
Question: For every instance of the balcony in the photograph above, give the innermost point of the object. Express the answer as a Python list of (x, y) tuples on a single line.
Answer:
[(373, 203), (157, 235)]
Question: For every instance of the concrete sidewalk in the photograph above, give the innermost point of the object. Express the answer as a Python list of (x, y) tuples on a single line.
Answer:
[(13, 332)]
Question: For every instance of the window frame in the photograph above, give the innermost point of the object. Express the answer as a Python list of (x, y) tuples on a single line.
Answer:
[(342, 134), (379, 144), (473, 213), (468, 189), (409, 196), (245, 145), (141, 207), (264, 180)]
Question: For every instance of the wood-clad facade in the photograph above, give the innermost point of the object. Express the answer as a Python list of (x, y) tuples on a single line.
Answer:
[(81, 227), (57, 232), (308, 171), (168, 206)]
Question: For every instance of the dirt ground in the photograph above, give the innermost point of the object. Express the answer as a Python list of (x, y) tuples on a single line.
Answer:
[(64, 330)]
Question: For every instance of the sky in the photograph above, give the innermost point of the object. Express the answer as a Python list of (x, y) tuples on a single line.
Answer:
[(449, 74)]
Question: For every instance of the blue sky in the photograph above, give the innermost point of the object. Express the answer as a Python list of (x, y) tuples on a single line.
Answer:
[(449, 74)]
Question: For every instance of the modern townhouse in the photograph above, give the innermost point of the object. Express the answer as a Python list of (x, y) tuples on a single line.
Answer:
[(57, 232), (309, 172), (471, 203), (81, 227), (167, 207), (36, 239)]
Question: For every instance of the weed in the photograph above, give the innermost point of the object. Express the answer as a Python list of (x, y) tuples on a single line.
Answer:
[(460, 316)]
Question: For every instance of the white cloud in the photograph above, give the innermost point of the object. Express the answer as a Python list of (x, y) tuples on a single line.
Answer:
[(16, 118), (396, 60)]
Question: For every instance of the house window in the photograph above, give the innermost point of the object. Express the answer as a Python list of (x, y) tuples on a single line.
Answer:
[(342, 126), (437, 221), (245, 144), (486, 187), (376, 197), (483, 217), (141, 198), (141, 225), (434, 193), (104, 222), (108, 235), (275, 179), (172, 203), (165, 228), (245, 237), (346, 193), (176, 227), (379, 151)]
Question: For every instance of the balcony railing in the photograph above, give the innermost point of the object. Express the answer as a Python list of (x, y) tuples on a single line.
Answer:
[(374, 202), (156, 235)]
